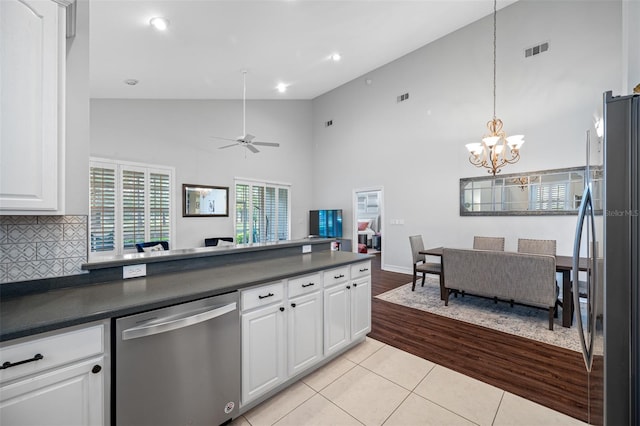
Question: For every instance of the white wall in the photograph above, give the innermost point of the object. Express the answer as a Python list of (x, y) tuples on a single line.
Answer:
[(77, 116), (177, 133), (631, 44), (415, 149)]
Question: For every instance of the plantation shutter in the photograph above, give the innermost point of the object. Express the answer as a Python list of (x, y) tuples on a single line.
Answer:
[(283, 214), (159, 206), (550, 197), (242, 213), (133, 208), (259, 216), (102, 206), (270, 213), (262, 212), (129, 203)]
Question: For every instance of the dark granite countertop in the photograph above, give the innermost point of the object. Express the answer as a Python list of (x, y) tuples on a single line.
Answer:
[(36, 313)]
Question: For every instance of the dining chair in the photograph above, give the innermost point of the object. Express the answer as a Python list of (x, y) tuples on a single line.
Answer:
[(526, 245), (548, 247), (488, 243), (420, 264)]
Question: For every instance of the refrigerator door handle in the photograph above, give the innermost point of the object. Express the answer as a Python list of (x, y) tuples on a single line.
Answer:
[(587, 347)]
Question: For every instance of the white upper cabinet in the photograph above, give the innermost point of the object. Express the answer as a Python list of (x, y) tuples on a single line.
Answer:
[(32, 75)]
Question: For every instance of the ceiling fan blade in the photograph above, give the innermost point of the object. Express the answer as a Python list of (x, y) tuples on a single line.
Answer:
[(224, 139), (228, 146), (252, 148), (266, 143)]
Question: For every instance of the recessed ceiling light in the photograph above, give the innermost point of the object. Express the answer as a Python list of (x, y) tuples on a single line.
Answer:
[(335, 57), (131, 81), (159, 23), (281, 87)]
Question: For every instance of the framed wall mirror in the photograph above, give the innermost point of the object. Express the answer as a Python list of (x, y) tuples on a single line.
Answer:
[(544, 192), (203, 200)]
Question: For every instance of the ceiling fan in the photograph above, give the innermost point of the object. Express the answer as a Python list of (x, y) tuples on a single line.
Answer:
[(246, 140)]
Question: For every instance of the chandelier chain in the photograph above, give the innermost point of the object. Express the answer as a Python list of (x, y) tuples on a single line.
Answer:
[(496, 149), (495, 4)]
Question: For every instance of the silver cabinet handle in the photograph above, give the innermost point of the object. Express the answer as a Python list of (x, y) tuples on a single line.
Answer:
[(173, 323), (587, 347)]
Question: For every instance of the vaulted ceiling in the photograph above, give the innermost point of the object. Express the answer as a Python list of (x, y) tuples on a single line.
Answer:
[(208, 44)]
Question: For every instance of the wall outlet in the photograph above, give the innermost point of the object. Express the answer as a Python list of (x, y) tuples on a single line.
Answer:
[(132, 271), (306, 248)]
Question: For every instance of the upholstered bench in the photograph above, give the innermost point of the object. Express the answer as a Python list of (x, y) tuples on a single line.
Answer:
[(528, 279)]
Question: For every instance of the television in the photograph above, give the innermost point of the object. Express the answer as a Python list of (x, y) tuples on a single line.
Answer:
[(325, 223)]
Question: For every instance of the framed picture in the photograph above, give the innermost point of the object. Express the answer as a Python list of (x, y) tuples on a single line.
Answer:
[(204, 200)]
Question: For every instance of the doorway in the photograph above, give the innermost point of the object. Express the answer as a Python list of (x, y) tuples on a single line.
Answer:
[(368, 229)]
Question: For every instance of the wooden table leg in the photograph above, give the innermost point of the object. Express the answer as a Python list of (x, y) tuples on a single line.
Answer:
[(567, 299)]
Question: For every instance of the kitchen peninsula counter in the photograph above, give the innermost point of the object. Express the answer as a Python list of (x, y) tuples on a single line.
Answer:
[(29, 314)]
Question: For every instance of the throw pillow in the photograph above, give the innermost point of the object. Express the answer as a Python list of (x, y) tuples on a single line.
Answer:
[(157, 247), (363, 225)]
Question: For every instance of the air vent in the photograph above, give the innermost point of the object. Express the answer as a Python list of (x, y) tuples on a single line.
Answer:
[(536, 50), (402, 98), (328, 123)]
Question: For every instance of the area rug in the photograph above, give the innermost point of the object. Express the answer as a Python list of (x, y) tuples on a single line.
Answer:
[(531, 323)]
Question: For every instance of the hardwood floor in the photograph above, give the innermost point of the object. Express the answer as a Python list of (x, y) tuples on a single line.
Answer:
[(549, 375)]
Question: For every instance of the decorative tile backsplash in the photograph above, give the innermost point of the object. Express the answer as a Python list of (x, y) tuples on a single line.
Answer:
[(35, 247)]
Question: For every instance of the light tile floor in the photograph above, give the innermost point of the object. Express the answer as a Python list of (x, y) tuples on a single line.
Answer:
[(377, 384)]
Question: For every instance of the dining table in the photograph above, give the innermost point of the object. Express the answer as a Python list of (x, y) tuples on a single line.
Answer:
[(564, 265)]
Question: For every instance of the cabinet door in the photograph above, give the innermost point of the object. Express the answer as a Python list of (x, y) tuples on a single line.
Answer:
[(263, 351), (32, 51), (360, 307), (336, 318), (66, 396), (304, 327)]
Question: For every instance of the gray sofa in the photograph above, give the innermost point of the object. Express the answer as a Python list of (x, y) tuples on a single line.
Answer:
[(528, 279)]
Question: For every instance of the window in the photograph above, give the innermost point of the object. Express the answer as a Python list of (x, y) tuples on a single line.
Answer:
[(262, 212), (129, 203), (549, 196)]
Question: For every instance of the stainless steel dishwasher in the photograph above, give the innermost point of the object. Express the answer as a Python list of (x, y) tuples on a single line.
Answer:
[(179, 365)]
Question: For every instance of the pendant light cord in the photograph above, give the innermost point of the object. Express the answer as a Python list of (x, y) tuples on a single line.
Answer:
[(494, 56)]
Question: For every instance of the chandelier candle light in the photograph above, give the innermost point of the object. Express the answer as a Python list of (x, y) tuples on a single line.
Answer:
[(496, 149)]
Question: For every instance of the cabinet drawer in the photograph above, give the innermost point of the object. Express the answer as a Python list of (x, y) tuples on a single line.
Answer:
[(304, 285), (262, 295), (336, 276), (361, 269), (55, 350)]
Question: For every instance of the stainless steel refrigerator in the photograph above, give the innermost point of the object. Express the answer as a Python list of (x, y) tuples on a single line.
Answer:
[(607, 302)]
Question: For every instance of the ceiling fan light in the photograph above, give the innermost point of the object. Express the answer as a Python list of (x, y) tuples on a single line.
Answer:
[(281, 87), (160, 23), (335, 57)]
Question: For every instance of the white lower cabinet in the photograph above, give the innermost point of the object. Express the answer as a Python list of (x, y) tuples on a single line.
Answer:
[(55, 380), (360, 300), (290, 326), (281, 332), (65, 396), (336, 318), (304, 332), (347, 306), (263, 350)]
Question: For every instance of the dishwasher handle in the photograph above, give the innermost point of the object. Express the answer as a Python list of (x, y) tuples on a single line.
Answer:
[(174, 323)]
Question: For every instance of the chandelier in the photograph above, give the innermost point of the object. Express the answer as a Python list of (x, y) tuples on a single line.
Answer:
[(496, 149)]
